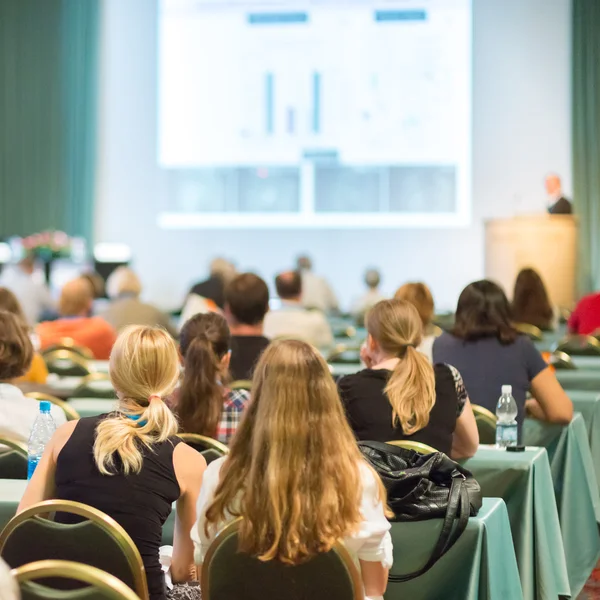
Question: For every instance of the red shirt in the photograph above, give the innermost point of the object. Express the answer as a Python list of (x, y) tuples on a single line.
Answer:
[(585, 319)]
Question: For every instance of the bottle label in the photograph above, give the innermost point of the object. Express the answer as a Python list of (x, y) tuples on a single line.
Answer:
[(507, 434), (32, 463)]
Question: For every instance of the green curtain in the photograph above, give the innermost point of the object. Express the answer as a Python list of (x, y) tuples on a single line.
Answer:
[(586, 138), (48, 91)]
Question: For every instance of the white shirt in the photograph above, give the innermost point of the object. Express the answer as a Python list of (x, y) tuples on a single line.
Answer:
[(317, 293), (33, 295), (294, 321), (426, 346), (18, 412), (368, 300), (371, 542)]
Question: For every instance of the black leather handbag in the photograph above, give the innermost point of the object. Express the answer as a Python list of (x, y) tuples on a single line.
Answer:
[(422, 487)]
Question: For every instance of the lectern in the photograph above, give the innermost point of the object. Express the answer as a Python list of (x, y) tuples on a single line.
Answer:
[(547, 243)]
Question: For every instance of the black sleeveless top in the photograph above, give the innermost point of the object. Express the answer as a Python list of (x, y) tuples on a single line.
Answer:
[(370, 413), (140, 503)]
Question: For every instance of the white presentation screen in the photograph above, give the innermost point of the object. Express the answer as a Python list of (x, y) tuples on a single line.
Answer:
[(345, 113)]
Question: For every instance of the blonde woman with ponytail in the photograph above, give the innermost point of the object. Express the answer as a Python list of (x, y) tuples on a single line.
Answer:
[(295, 474), (129, 463), (401, 395)]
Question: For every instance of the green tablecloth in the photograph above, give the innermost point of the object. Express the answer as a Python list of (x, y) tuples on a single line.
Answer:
[(586, 362), (524, 481), (90, 407), (579, 379)]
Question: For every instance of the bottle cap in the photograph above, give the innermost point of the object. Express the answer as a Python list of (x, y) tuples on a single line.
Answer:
[(506, 389), (45, 406)]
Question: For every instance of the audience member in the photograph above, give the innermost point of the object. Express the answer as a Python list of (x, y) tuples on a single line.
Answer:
[(585, 319), (400, 395), (558, 204), (124, 289), (419, 295), (295, 474), (490, 353), (531, 303), (292, 320), (371, 297), (32, 292), (38, 372), (130, 464), (17, 412), (74, 307), (246, 304), (316, 291), (204, 403)]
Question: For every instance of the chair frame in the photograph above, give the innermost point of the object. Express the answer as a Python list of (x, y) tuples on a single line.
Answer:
[(534, 333), (234, 526), (587, 339), (102, 520), (70, 344), (109, 584), (241, 384), (565, 358), (71, 355), (70, 412), (14, 445), (418, 447), (339, 349), (210, 443)]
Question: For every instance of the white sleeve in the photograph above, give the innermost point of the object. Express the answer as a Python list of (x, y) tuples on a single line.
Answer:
[(373, 541), (58, 415), (323, 336)]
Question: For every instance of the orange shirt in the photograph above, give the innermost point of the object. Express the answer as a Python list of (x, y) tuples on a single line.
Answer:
[(92, 332), (38, 372)]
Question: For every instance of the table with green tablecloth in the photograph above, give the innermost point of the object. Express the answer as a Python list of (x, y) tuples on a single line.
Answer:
[(524, 481), (90, 407), (586, 362), (579, 379)]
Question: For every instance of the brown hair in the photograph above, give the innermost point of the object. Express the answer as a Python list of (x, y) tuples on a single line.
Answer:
[(530, 300), (419, 295), (395, 325), (288, 285), (16, 350), (204, 341), (76, 297), (293, 471), (9, 303), (483, 311), (247, 297)]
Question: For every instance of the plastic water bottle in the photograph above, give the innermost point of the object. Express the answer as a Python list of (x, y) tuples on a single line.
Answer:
[(41, 432), (506, 427)]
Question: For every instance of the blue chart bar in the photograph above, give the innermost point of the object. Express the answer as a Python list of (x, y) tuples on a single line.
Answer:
[(269, 102), (277, 18), (400, 15), (316, 102)]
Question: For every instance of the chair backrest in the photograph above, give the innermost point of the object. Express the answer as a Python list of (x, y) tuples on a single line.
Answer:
[(531, 331), (13, 459), (486, 424), (68, 363), (344, 332), (344, 354), (241, 384), (96, 540), (69, 344), (416, 446), (561, 360), (578, 345), (231, 575), (202, 442), (95, 385), (70, 412), (100, 585)]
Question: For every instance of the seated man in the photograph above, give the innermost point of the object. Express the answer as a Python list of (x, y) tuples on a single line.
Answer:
[(75, 306), (294, 321), (246, 304)]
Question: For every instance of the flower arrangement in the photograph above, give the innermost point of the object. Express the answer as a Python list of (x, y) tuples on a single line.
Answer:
[(48, 245)]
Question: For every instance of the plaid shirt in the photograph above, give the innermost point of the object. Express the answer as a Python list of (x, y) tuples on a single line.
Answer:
[(233, 407)]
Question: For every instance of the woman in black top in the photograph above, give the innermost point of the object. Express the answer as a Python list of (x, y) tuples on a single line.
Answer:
[(129, 464), (400, 395)]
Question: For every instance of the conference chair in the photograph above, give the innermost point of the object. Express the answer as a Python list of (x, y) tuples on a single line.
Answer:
[(68, 363), (415, 446), (13, 458), (561, 360), (209, 448), (486, 424), (531, 331), (98, 540), (344, 332), (344, 354), (70, 412), (99, 585), (241, 384), (231, 575), (95, 385), (578, 345), (69, 344)]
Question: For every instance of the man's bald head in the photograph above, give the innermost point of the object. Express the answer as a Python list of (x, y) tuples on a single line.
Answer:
[(553, 185), (76, 298), (289, 285)]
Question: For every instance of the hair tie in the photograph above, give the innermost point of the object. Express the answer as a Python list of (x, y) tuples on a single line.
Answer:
[(404, 348), (154, 397)]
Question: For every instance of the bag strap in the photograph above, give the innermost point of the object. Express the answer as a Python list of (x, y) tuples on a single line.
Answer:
[(388, 448), (458, 507)]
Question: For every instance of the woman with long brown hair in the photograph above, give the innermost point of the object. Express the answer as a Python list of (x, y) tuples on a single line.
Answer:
[(400, 395), (295, 474), (204, 404), (531, 303)]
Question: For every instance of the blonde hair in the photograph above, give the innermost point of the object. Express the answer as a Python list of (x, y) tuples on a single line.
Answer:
[(144, 368), (76, 298), (123, 281), (294, 460), (419, 295), (395, 325)]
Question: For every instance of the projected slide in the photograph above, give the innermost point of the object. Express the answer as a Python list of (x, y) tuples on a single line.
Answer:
[(315, 113)]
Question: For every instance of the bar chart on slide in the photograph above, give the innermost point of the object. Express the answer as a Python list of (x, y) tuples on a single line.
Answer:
[(364, 88)]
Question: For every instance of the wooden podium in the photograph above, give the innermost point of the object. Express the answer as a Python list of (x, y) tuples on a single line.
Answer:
[(547, 243)]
